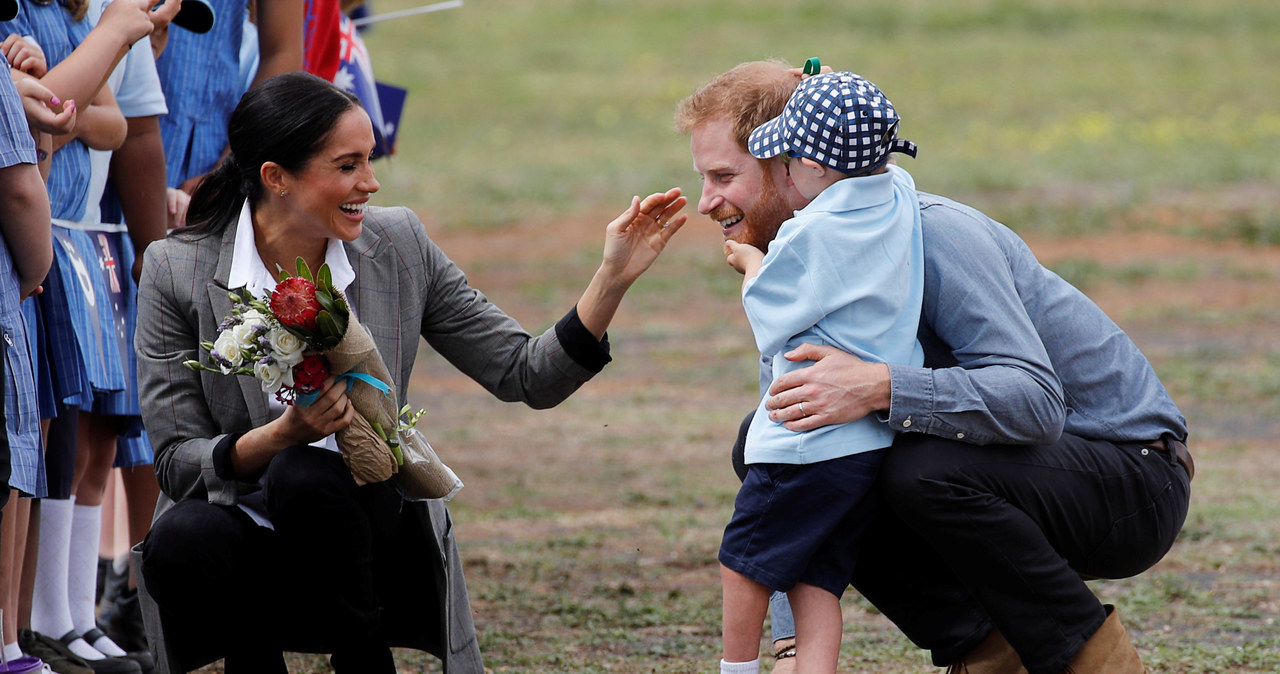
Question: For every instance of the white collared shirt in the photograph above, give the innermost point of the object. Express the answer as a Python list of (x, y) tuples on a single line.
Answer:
[(248, 270)]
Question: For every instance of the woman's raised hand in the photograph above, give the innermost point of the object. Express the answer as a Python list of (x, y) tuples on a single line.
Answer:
[(636, 237)]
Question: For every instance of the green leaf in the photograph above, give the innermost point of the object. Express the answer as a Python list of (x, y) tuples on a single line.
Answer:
[(399, 454), (303, 270), (327, 326), (325, 279), (325, 299), (377, 427)]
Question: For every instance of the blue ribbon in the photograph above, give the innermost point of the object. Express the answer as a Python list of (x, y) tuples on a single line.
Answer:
[(305, 399)]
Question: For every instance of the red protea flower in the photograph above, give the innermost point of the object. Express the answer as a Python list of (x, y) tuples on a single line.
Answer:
[(310, 373), (294, 303)]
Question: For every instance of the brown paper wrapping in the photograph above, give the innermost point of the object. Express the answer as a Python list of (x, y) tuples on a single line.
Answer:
[(423, 475)]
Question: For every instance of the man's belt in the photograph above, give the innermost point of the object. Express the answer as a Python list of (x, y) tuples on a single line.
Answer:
[(1179, 450)]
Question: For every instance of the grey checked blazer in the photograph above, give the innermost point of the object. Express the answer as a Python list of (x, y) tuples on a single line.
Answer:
[(404, 287)]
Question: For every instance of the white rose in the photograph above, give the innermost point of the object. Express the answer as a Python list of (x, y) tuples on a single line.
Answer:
[(251, 323), (272, 376), (286, 347), (229, 351)]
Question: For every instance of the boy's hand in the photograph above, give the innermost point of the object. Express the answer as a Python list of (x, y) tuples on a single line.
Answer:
[(743, 257)]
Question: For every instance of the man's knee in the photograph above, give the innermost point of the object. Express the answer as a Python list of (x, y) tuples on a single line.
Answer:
[(918, 473)]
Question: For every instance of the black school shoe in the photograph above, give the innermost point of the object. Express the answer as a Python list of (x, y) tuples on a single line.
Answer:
[(121, 620), (105, 665), (54, 654), (145, 662)]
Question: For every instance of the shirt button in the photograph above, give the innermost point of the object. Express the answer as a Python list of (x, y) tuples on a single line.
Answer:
[(1145, 451), (960, 436), (906, 423)]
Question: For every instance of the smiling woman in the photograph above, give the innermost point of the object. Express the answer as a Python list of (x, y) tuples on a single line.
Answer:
[(264, 541)]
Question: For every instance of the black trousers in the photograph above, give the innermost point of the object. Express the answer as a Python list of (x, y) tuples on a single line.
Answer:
[(967, 538), (227, 587)]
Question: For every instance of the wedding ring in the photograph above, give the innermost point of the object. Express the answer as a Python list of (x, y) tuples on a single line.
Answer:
[(802, 412)]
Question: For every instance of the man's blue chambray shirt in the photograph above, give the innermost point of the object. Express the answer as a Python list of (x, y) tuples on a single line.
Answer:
[(1013, 353)]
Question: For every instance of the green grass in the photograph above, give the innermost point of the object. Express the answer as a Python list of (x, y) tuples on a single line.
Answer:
[(531, 110)]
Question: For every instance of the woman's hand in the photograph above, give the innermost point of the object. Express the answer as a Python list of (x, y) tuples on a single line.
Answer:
[(632, 242), (331, 412), (636, 237)]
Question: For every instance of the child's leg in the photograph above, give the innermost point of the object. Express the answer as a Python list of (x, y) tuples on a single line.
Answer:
[(745, 605), (819, 625)]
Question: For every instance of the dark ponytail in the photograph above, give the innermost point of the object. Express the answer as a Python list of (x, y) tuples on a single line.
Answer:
[(286, 119)]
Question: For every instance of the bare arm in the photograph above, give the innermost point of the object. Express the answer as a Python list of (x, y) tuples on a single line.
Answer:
[(24, 222), (137, 169), (100, 126), (79, 76), (280, 28), (632, 242)]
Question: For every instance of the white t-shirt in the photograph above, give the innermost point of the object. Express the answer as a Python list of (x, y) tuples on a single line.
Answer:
[(136, 87)]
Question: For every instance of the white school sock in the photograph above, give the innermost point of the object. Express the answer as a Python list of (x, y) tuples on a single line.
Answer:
[(50, 614), (752, 667), (82, 575), (12, 652)]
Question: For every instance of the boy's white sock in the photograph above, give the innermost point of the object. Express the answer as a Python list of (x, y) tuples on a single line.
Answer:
[(12, 652), (50, 614), (752, 667), (82, 575)]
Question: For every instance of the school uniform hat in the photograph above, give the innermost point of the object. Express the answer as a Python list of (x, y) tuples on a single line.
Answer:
[(196, 16), (8, 9), (839, 120)]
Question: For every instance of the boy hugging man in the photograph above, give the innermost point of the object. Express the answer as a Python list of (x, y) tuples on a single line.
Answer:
[(845, 271)]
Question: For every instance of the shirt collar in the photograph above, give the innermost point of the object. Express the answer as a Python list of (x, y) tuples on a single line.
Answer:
[(248, 269)]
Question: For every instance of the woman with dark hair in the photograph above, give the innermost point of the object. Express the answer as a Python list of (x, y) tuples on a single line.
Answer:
[(264, 542)]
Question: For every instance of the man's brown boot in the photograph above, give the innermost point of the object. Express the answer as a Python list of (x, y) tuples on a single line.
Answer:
[(1108, 651), (992, 655)]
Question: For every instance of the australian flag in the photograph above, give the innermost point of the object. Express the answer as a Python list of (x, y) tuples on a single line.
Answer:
[(383, 102)]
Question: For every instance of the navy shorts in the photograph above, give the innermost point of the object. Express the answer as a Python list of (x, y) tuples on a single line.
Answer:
[(800, 523)]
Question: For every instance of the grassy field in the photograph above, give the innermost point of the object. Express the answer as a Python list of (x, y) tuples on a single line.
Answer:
[(1132, 142)]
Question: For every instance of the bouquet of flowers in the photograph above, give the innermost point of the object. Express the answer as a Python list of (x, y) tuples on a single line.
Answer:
[(292, 340)]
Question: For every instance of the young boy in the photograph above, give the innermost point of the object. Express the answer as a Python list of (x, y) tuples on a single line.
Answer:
[(846, 271)]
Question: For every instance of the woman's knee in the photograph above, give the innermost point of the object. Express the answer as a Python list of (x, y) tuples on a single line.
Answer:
[(302, 475), (192, 541)]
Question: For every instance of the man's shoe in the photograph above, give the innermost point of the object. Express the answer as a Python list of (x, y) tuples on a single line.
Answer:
[(992, 655), (54, 653), (1108, 650), (104, 665)]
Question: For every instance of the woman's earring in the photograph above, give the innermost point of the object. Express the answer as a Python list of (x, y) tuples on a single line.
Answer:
[(282, 193)]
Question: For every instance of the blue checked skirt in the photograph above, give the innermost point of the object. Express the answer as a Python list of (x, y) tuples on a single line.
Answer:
[(90, 312), (22, 419)]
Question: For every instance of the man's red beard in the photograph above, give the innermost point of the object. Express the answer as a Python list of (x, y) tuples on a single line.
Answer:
[(760, 225)]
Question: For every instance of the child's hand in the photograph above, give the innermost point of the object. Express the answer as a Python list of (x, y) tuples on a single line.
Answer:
[(743, 257), (24, 55), (130, 19), (44, 111)]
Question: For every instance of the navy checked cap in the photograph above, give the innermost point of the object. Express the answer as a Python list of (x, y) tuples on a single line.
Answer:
[(839, 120)]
